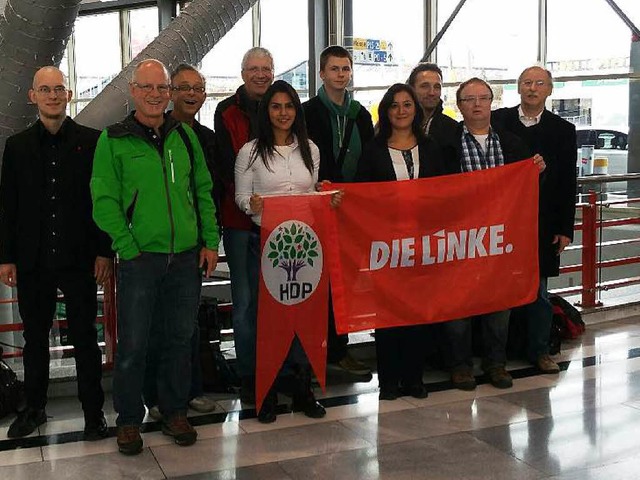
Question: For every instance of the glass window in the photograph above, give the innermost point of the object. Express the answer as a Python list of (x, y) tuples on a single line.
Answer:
[(492, 39), (285, 33), (96, 67), (221, 66), (587, 37), (144, 28)]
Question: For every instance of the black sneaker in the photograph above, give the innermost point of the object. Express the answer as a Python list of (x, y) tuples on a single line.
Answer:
[(26, 423), (96, 429)]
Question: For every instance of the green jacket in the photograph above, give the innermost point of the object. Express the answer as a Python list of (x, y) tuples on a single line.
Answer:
[(144, 201)]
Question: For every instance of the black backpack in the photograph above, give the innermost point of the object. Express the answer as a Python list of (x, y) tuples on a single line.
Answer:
[(11, 389)]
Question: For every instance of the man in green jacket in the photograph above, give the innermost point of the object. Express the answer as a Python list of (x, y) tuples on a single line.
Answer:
[(151, 193)]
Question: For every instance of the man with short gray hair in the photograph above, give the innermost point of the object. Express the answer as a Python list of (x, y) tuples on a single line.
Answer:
[(235, 123), (152, 194)]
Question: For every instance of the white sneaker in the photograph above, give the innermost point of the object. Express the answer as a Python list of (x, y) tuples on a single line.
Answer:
[(202, 404), (154, 412)]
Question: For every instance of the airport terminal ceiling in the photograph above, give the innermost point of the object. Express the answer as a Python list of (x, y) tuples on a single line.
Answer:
[(586, 45)]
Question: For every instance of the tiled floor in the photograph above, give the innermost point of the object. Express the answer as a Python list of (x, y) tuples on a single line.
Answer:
[(581, 424)]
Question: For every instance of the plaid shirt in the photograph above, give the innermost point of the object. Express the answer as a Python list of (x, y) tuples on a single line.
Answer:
[(473, 156)]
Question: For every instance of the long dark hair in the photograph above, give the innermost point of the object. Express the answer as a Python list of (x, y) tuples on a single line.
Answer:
[(264, 147), (384, 125)]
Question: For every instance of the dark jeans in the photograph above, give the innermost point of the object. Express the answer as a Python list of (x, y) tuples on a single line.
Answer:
[(400, 356), (244, 295), (539, 315), (150, 386), (495, 330), (37, 293), (155, 291)]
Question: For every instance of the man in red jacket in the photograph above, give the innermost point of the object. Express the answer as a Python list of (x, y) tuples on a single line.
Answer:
[(235, 124)]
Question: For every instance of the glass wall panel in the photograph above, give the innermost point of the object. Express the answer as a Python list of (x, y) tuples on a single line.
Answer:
[(491, 39), (387, 44), (96, 63), (285, 33), (144, 28)]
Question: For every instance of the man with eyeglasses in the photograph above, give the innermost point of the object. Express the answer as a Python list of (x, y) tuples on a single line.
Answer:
[(152, 194), (340, 127), (480, 145), (555, 139), (188, 93), (235, 123), (48, 241)]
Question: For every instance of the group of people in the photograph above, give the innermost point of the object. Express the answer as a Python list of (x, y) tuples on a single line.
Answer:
[(157, 188)]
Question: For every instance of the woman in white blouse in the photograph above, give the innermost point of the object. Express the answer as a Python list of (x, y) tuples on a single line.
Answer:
[(280, 161)]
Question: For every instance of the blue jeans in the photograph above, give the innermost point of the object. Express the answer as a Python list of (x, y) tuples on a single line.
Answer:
[(244, 294), (158, 292), (495, 330), (539, 315)]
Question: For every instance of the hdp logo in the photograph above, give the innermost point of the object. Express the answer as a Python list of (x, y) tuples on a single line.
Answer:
[(292, 262)]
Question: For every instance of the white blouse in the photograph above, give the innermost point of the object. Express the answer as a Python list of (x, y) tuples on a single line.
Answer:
[(400, 164), (288, 176)]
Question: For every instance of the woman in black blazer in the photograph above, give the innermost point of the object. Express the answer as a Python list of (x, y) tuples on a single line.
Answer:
[(400, 151)]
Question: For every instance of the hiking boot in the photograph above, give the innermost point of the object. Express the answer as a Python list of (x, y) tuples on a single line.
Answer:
[(180, 429), (154, 412), (463, 380), (95, 428), (546, 365), (202, 404), (353, 366), (129, 439), (499, 377), (26, 422)]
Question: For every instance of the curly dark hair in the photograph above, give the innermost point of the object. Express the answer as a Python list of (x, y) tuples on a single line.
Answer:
[(264, 146), (384, 125)]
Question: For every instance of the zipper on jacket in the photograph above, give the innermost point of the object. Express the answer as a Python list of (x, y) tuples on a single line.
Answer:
[(169, 207)]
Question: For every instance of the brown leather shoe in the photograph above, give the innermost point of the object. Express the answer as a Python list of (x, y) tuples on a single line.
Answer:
[(180, 429), (129, 439), (499, 377), (546, 365), (463, 380)]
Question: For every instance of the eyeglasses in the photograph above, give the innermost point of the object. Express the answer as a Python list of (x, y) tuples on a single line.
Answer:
[(529, 83), (188, 88), (256, 70), (482, 99), (162, 88), (59, 90)]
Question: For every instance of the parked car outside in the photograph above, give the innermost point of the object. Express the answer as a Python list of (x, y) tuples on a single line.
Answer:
[(608, 143)]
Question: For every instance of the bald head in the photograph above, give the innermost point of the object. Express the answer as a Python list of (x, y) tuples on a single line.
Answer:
[(47, 75), (49, 93), (152, 65)]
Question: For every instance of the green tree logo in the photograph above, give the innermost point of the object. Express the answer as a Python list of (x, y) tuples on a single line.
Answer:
[(294, 247)]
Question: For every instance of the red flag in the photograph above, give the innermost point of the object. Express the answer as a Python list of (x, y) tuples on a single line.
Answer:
[(434, 249), (293, 296)]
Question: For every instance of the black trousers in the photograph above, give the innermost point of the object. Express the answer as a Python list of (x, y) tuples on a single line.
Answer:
[(37, 292), (400, 356), (336, 344)]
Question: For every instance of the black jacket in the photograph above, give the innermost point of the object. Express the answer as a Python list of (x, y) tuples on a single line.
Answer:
[(442, 127), (21, 200), (376, 165), (319, 128), (555, 139)]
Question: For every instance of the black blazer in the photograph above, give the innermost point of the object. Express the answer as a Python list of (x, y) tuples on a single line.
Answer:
[(21, 200), (375, 164), (555, 139)]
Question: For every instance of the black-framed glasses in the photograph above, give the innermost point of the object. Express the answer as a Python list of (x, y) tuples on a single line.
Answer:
[(162, 88), (59, 90), (187, 88)]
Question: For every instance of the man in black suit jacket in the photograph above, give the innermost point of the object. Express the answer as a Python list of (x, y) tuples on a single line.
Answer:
[(555, 139), (480, 145), (48, 241)]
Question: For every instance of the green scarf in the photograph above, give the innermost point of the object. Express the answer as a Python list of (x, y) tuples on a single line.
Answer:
[(340, 115)]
